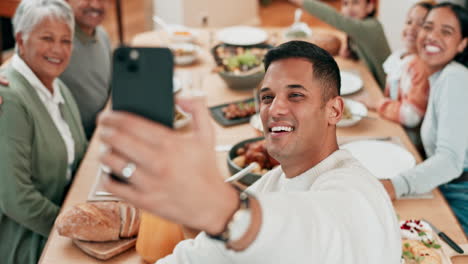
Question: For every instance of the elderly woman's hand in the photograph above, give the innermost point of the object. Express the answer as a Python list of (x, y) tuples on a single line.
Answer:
[(175, 174)]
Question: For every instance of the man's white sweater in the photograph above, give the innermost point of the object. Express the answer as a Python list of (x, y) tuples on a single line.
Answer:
[(336, 212)]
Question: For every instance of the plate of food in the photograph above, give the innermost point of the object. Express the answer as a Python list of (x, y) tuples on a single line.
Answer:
[(179, 33), (246, 152), (376, 155), (421, 244), (353, 112), (242, 35), (350, 83), (184, 53), (234, 113), (240, 67)]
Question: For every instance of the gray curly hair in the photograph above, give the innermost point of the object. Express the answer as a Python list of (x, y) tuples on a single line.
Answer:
[(31, 12)]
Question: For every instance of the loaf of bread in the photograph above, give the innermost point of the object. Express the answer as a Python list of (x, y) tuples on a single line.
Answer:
[(99, 221)]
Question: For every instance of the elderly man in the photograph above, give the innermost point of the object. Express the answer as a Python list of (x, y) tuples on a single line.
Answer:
[(88, 74), (319, 206)]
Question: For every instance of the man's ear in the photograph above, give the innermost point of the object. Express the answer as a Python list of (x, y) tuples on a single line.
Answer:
[(335, 108)]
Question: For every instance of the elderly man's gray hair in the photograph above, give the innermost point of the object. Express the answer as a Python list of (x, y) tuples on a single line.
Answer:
[(31, 12)]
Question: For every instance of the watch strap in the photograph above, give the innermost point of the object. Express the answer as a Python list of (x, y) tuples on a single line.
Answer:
[(244, 203)]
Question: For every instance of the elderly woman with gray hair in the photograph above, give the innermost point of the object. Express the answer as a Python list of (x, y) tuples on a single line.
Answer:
[(41, 136)]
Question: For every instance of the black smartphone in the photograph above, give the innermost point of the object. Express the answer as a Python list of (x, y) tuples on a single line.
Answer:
[(142, 83)]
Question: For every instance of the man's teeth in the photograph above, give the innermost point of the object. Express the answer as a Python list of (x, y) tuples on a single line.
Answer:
[(281, 129), (432, 48), (93, 14), (53, 60)]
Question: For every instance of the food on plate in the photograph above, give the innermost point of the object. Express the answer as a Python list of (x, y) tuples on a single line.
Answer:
[(416, 230), (239, 110), (183, 51), (415, 252), (182, 33), (255, 152), (240, 60), (418, 244), (99, 221)]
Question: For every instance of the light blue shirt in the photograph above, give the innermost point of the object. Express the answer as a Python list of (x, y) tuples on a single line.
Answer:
[(444, 133)]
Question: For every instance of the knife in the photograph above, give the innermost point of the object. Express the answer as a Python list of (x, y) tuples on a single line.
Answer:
[(445, 238)]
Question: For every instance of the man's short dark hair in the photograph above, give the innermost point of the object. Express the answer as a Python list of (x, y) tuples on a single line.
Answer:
[(324, 66)]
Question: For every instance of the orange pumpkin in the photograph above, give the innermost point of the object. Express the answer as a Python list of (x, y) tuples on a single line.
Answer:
[(157, 237)]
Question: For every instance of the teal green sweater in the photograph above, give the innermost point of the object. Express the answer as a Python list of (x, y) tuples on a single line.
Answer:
[(33, 167), (367, 36)]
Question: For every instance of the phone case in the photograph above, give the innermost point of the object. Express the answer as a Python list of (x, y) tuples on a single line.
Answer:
[(142, 83)]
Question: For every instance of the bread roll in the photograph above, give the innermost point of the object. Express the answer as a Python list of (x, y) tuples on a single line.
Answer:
[(99, 221)]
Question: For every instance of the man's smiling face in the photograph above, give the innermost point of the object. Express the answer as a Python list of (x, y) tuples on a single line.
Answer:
[(293, 113)]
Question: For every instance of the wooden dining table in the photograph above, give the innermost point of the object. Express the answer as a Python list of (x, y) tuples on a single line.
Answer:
[(61, 249)]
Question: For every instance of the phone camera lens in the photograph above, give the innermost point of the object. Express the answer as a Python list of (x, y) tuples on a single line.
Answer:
[(133, 67), (121, 55), (134, 55)]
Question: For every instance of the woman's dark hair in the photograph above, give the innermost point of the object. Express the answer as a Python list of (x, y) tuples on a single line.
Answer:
[(324, 66), (374, 12), (462, 17), (424, 4)]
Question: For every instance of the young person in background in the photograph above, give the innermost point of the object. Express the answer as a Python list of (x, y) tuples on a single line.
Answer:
[(366, 37), (442, 45), (407, 85)]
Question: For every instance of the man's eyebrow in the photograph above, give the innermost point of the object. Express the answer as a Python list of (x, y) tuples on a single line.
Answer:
[(296, 86), (264, 89), (290, 86)]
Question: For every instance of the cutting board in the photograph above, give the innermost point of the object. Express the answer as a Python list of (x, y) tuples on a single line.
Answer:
[(105, 250), (448, 252)]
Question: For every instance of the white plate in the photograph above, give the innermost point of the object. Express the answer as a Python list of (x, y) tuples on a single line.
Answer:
[(383, 159), (242, 35), (350, 83), (356, 108)]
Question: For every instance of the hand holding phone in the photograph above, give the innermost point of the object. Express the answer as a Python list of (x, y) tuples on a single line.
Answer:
[(142, 80)]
